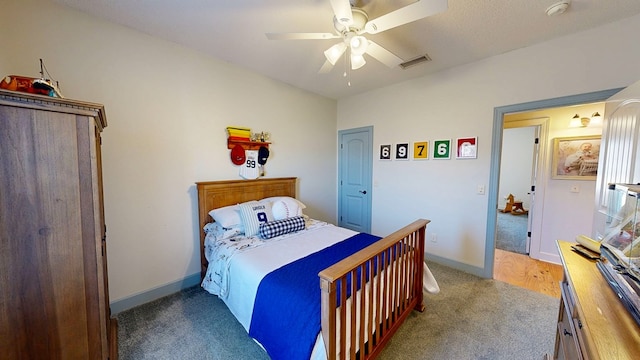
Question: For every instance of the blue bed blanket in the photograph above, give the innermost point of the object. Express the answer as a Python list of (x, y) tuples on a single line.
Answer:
[(286, 313)]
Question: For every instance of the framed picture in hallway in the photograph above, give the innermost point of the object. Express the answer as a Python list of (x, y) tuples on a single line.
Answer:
[(576, 158)]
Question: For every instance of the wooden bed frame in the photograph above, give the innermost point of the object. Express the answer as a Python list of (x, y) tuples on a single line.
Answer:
[(391, 268)]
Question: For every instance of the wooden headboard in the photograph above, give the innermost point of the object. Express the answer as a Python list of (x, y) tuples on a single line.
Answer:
[(216, 194)]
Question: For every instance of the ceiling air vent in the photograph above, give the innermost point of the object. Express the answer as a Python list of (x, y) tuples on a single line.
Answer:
[(416, 61)]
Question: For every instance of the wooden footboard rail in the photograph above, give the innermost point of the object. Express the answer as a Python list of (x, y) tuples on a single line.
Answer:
[(392, 270)]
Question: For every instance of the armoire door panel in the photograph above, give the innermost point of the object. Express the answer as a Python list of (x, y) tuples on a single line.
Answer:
[(53, 285)]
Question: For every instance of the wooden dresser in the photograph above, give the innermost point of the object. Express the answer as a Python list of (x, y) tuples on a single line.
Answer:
[(592, 322), (54, 296)]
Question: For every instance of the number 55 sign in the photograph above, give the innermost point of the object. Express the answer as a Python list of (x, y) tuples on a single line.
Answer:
[(442, 149)]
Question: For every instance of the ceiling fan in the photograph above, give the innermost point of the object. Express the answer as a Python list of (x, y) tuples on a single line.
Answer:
[(351, 22)]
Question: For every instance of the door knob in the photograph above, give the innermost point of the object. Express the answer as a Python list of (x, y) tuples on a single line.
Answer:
[(364, 192)]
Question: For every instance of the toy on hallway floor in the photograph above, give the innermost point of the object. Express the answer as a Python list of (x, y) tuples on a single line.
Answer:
[(514, 207)]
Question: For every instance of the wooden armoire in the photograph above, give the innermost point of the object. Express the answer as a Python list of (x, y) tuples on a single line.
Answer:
[(54, 296)]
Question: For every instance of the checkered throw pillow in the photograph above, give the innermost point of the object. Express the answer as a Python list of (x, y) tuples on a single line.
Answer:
[(281, 227)]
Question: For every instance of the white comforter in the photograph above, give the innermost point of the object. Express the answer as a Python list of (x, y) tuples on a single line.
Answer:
[(237, 264)]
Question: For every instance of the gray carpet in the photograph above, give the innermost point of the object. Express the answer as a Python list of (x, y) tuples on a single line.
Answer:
[(511, 232), (471, 318)]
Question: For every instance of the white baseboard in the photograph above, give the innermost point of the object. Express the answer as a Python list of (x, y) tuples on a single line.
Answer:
[(473, 270), (132, 301)]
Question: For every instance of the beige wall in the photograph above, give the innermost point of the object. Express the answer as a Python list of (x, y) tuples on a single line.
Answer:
[(460, 102), (167, 107)]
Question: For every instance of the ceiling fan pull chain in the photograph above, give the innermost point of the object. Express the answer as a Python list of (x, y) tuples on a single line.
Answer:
[(347, 66)]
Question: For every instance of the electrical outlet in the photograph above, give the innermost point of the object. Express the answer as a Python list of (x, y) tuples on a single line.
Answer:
[(434, 238), (480, 190)]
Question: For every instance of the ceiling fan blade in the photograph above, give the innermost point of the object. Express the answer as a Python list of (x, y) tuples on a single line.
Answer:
[(416, 11), (383, 55), (326, 67), (301, 36), (342, 10)]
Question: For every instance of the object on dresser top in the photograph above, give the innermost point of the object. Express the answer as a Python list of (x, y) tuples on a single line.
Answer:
[(588, 243), (585, 252)]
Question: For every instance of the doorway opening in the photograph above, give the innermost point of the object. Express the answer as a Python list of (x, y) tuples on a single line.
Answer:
[(536, 109)]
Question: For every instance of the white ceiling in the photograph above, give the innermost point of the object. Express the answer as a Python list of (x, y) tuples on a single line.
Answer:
[(469, 30)]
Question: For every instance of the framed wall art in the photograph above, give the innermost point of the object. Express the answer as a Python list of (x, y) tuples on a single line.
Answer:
[(442, 149), (402, 151), (575, 158), (467, 148), (420, 150), (385, 152)]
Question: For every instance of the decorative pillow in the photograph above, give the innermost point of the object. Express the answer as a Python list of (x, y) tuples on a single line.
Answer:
[(254, 214), (229, 216), (286, 198), (281, 227), (284, 207)]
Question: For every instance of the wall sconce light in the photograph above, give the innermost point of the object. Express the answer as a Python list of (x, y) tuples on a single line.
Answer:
[(594, 120), (578, 121), (585, 121)]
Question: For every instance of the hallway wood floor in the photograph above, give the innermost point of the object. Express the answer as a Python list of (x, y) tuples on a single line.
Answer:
[(521, 270)]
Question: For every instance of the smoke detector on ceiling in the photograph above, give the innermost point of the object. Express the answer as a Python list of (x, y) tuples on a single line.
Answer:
[(558, 8)]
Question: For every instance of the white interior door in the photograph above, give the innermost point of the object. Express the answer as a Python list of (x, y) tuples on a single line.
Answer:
[(355, 163), (535, 163), (520, 167)]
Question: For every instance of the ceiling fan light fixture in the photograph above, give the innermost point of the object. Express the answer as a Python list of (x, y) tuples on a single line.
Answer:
[(357, 61), (350, 22), (335, 52), (358, 45)]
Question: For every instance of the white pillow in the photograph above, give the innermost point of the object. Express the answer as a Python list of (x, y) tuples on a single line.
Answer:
[(228, 217), (254, 214), (284, 207)]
